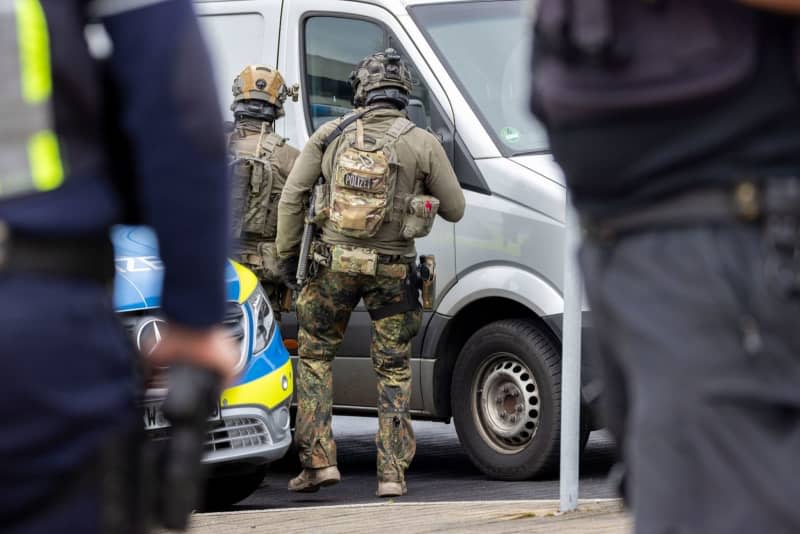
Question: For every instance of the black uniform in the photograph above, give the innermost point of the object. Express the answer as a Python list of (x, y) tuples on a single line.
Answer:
[(66, 364), (699, 337)]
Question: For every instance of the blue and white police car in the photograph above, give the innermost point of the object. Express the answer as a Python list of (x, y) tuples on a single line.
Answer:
[(252, 426)]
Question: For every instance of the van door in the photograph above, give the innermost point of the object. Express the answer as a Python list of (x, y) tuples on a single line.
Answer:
[(319, 48), (237, 34)]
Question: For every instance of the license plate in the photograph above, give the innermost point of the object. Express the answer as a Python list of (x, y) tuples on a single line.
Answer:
[(154, 417)]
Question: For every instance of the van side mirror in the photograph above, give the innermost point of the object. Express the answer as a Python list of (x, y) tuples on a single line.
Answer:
[(416, 113)]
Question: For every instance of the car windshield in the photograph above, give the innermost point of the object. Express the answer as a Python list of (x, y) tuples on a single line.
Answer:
[(486, 48)]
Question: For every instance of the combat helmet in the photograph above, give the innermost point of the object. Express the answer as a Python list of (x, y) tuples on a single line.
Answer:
[(259, 92), (382, 76)]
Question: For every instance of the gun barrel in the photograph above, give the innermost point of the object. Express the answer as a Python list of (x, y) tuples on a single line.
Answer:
[(309, 230), (305, 248)]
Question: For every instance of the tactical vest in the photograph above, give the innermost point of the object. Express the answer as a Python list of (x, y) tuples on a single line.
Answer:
[(256, 188), (30, 159), (363, 186), (596, 59)]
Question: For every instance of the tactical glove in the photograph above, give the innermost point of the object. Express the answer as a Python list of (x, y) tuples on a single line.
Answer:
[(288, 271)]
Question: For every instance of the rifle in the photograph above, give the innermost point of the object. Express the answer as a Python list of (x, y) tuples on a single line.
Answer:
[(309, 230)]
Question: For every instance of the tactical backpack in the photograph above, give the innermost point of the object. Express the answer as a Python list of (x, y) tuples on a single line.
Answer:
[(362, 190), (256, 189)]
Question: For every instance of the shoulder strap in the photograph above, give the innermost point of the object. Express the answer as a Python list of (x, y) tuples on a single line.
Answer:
[(347, 120), (400, 126), (269, 145)]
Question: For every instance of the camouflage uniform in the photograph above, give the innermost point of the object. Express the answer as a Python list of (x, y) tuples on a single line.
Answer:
[(326, 302), (258, 252), (259, 93), (323, 309)]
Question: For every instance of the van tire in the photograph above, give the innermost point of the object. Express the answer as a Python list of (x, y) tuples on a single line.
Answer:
[(224, 491), (506, 400)]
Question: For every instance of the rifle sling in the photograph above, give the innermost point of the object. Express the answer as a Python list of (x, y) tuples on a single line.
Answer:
[(347, 121)]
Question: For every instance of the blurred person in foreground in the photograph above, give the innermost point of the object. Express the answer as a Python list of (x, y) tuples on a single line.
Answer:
[(67, 458), (677, 125)]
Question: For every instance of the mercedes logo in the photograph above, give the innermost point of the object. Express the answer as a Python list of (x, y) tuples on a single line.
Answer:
[(148, 334)]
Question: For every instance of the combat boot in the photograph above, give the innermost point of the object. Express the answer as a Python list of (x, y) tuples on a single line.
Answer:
[(391, 489), (310, 480)]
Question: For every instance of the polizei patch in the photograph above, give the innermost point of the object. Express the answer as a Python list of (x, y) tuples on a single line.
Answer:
[(355, 181)]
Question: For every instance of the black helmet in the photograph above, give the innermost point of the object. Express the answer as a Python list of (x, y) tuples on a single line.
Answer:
[(382, 76)]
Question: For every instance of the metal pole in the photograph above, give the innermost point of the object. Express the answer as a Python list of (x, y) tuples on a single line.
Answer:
[(571, 365)]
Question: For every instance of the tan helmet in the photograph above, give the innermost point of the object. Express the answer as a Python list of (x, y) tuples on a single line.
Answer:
[(259, 82), (381, 70)]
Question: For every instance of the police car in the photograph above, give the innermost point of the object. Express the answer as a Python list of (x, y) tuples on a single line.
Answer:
[(251, 427)]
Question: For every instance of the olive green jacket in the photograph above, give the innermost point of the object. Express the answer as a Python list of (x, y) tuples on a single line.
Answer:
[(421, 157)]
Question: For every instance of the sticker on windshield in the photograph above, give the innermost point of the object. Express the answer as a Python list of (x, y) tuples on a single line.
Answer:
[(510, 134)]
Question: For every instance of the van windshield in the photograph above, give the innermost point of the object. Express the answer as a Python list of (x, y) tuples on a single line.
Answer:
[(485, 46)]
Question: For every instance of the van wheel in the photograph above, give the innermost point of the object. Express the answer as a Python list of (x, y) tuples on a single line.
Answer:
[(506, 400), (224, 491)]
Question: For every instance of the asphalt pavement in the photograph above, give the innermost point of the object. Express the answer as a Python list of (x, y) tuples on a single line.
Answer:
[(441, 471)]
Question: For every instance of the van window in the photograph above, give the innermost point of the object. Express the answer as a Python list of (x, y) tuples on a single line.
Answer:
[(230, 39), (492, 68), (333, 47)]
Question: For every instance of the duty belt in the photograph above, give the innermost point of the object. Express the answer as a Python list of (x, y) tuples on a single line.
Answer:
[(746, 202), (86, 257), (394, 266)]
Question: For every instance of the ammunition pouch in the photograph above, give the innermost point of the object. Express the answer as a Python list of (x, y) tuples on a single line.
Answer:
[(358, 260), (322, 198), (419, 216), (354, 260)]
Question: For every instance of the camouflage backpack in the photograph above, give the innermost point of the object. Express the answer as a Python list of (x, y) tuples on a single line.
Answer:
[(256, 188), (363, 187)]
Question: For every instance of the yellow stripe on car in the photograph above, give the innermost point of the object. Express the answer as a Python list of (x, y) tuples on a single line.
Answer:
[(247, 281), (267, 390)]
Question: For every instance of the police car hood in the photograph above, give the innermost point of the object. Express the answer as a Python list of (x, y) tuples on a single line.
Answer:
[(140, 273)]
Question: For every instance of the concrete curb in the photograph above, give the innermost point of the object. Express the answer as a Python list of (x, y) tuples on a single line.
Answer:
[(598, 516)]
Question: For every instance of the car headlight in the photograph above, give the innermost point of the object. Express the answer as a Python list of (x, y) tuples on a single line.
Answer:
[(263, 319)]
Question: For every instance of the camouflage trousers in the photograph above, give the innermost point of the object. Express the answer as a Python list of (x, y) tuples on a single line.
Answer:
[(323, 311)]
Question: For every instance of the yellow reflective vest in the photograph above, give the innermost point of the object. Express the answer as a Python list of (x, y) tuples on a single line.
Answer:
[(30, 158)]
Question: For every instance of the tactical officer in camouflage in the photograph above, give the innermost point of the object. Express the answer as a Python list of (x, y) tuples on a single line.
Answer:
[(260, 160), (383, 182)]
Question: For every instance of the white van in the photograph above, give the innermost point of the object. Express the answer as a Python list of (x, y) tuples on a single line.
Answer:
[(489, 355)]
